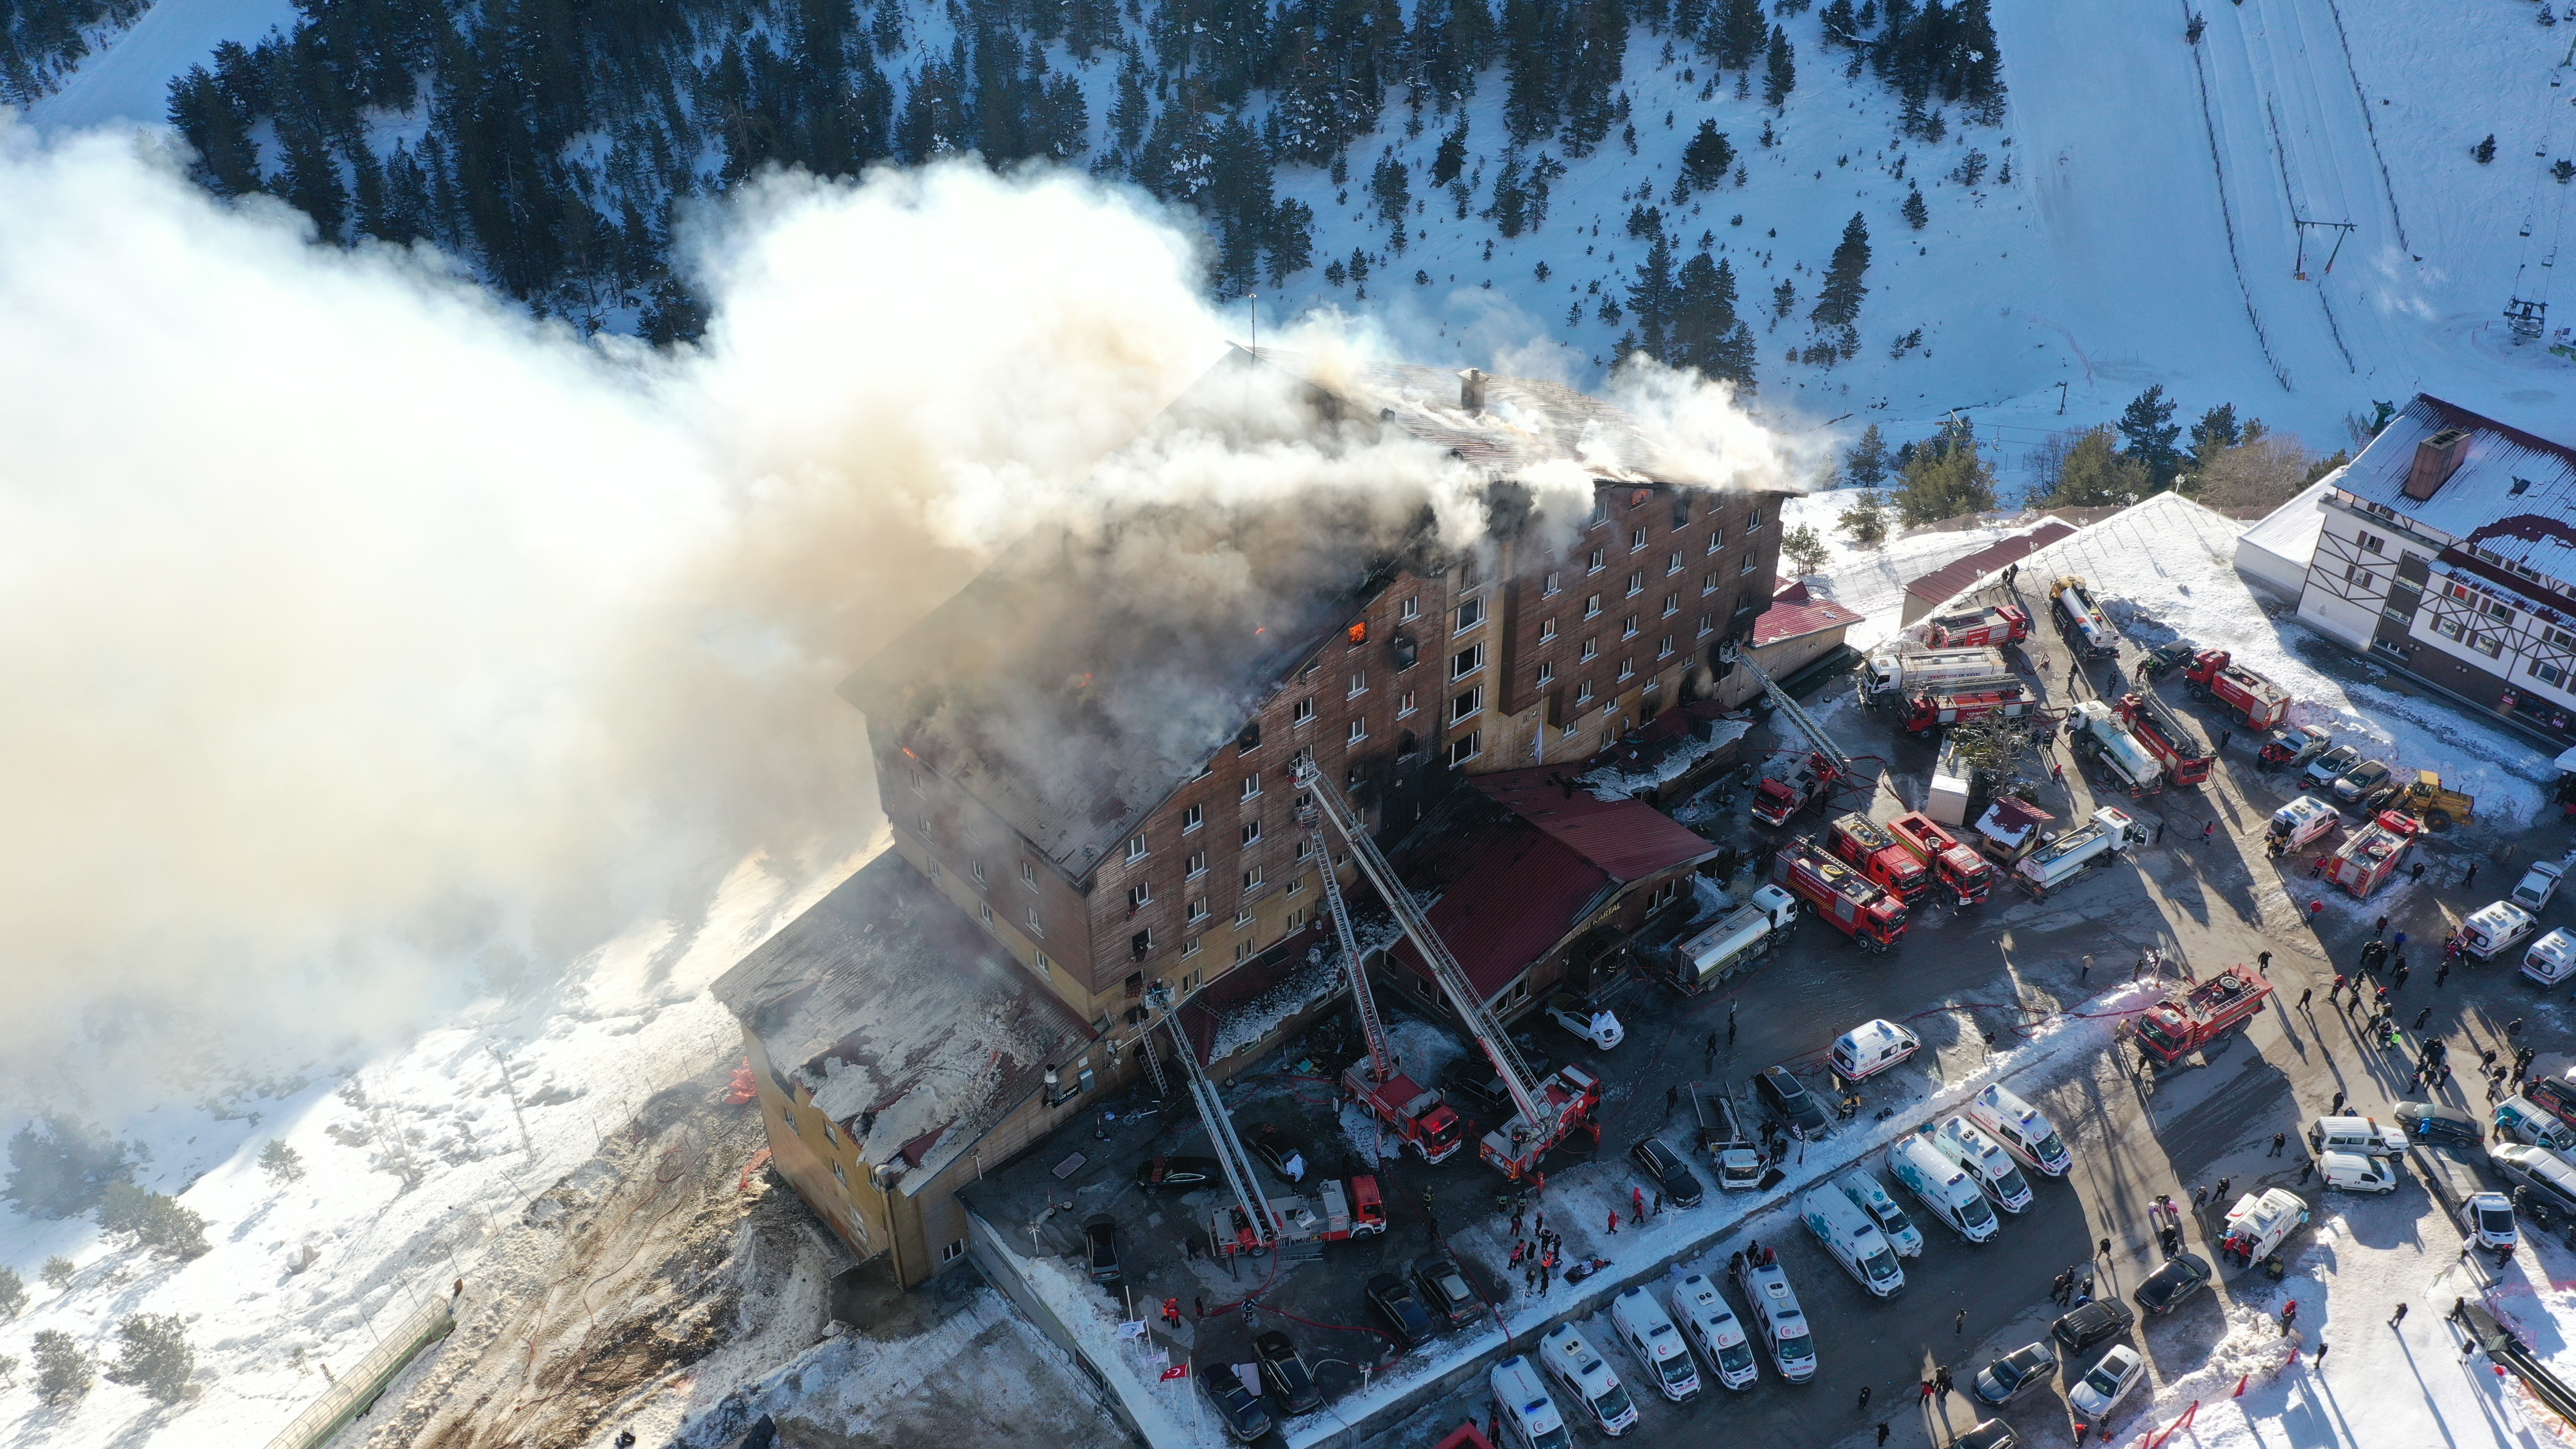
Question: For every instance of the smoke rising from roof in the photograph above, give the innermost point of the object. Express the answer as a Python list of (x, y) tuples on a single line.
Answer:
[(368, 636)]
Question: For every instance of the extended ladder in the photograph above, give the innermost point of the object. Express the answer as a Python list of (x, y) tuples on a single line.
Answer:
[(1797, 713)]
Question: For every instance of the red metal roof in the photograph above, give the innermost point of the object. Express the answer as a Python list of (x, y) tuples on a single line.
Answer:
[(1520, 892), (1786, 620), (1625, 840), (1944, 583)]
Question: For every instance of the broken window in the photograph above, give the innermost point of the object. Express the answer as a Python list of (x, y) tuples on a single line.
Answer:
[(1250, 739), (1142, 943), (1466, 747), (1466, 704)]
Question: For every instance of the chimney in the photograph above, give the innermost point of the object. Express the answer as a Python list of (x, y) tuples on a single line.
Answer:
[(1471, 391), (2436, 459)]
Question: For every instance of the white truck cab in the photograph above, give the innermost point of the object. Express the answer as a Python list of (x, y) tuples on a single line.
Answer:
[(1714, 1327), (1585, 1374), (2552, 958), (2520, 1119), (1657, 1343), (1863, 1188), (1852, 1239), (2021, 1130), (1942, 1186), (1959, 1140), (1529, 1417), (1872, 1047), (2495, 927), (2357, 1172)]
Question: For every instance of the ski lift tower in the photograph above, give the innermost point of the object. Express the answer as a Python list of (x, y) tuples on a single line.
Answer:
[(2527, 319)]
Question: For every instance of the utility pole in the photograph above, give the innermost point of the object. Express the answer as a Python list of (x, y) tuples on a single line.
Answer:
[(511, 1087), (2061, 399)]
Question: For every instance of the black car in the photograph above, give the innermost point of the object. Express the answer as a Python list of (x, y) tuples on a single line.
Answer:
[(1471, 1086), (2164, 659), (1279, 1152), (1788, 1102), (1100, 1236), (2015, 1374), (1445, 1290), (1665, 1168), (1285, 1372), (1239, 1409), (1179, 1174), (2094, 1322), (1992, 1434), (1402, 1313), (2174, 1284), (2432, 1122)]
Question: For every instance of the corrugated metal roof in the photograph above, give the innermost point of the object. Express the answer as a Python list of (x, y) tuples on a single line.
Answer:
[(1783, 622), (1625, 840), (2513, 494), (1943, 583), (1520, 892)]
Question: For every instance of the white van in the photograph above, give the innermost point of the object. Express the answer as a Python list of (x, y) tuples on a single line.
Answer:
[(1872, 1047), (1852, 1239), (1776, 1312), (2357, 1172), (2022, 1131), (1528, 1415), (2356, 1134), (2523, 1120), (2495, 927), (2552, 958), (1714, 1327), (1587, 1376), (1866, 1194), (1942, 1186), (1658, 1345), (1992, 1167)]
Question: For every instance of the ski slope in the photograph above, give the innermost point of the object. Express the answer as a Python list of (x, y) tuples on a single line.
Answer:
[(128, 82)]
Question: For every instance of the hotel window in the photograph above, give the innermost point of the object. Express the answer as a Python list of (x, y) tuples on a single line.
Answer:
[(1467, 748), (1547, 586), (1197, 864), (1628, 629), (1466, 704), (2549, 674), (1583, 693), (2355, 574), (1140, 895), (1636, 540), (1252, 880), (1136, 848), (1704, 626), (1409, 609), (1034, 928), (1600, 510), (1242, 952), (1359, 681), (1627, 669), (1672, 605), (1467, 661), (1470, 614), (1251, 830), (1297, 887), (1306, 846), (1028, 874), (1198, 908), (2371, 543), (1242, 917), (1546, 675), (1191, 947), (978, 868), (1592, 607), (1708, 585), (1546, 631), (1716, 539), (1753, 521), (951, 1252), (2487, 644), (1636, 583), (1594, 564), (916, 782), (1251, 787), (1359, 732), (985, 909), (1673, 565), (1304, 713), (1591, 650), (1746, 565), (1192, 817), (1404, 704), (1666, 652), (1296, 918)]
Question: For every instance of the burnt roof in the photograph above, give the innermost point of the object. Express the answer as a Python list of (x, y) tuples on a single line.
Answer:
[(1625, 840), (1515, 892)]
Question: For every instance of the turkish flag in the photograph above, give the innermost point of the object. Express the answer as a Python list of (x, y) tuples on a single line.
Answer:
[(1176, 1371)]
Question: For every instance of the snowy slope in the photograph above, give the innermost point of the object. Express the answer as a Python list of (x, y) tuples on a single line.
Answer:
[(128, 82), (1871, 581)]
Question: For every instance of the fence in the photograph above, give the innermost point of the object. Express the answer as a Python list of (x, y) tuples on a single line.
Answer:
[(355, 1392)]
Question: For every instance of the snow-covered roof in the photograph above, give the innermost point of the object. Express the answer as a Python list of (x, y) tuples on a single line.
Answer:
[(884, 997), (2276, 550), (2511, 495)]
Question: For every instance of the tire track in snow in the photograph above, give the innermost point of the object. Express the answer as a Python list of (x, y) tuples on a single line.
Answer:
[(2227, 217)]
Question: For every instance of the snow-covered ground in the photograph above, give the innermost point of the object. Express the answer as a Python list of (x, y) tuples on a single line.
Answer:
[(127, 83), (1871, 581)]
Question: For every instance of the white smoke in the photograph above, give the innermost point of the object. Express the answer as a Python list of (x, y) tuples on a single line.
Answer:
[(359, 628)]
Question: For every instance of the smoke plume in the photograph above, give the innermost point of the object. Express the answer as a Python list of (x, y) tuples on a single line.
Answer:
[(363, 630)]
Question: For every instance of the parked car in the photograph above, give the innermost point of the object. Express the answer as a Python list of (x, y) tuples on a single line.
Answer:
[(2433, 1122), (2015, 1374), (1595, 1024), (1179, 1174), (2295, 745), (1788, 1101), (2108, 1382), (1100, 1239), (1282, 1154), (2538, 884), (2488, 1216), (2091, 1323), (1285, 1371), (1671, 1175), (1401, 1312), (2354, 785), (2329, 767), (1471, 1085), (1239, 1409), (2173, 1285), (1992, 1434), (1445, 1290)]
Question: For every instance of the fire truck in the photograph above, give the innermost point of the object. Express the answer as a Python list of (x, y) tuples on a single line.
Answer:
[(1782, 793), (2257, 701), (2180, 1025), (1995, 625), (1902, 671), (1340, 1211), (2087, 629), (1977, 699), (2372, 854), (1962, 870), (1866, 844), (2171, 737), (1873, 918), (2099, 737)]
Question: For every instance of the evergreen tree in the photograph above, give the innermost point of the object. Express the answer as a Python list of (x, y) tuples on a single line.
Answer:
[(59, 1271), (62, 1370), (2484, 151), (2217, 429), (154, 1355), (1391, 187), (1451, 158), (1838, 299), (1780, 74), (311, 181), (1651, 297), (63, 1169), (2148, 433), (281, 1162), (1705, 332), (2092, 475), (1865, 464), (1946, 476), (1916, 214), (1805, 549), (1597, 42), (1839, 24), (151, 1220), (1708, 157), (1739, 32), (13, 1292), (1289, 242), (1864, 522)]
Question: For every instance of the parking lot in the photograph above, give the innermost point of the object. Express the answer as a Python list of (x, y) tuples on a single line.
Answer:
[(1968, 982)]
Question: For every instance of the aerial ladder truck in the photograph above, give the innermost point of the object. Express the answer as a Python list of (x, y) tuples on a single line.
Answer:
[(1827, 767), (1417, 1114), (1544, 1111)]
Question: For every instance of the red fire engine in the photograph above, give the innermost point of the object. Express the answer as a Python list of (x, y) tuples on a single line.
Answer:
[(2180, 1025), (1963, 870), (1870, 916), (2372, 854), (1960, 703), (1994, 626), (2254, 699), (1778, 796), (2173, 739), (1866, 844)]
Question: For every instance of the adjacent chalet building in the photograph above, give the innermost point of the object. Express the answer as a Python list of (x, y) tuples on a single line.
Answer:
[(1796, 631), (2449, 551), (1086, 758)]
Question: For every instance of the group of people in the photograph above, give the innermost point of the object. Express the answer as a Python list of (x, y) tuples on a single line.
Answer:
[(1535, 1255), (2073, 1287)]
